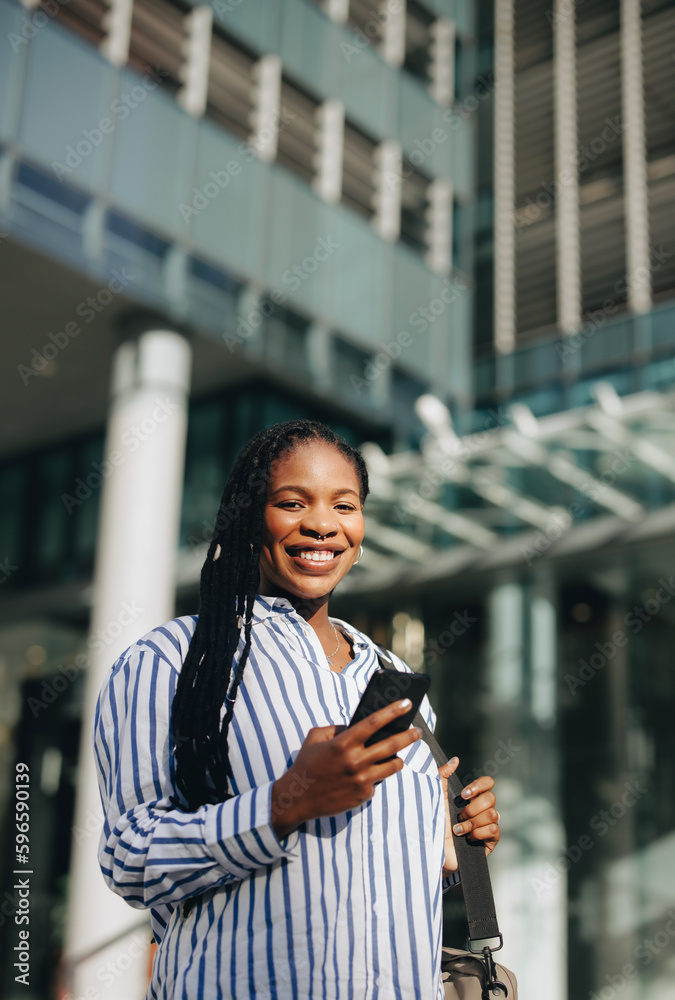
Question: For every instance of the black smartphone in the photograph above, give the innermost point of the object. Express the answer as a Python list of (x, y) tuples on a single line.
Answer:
[(384, 687)]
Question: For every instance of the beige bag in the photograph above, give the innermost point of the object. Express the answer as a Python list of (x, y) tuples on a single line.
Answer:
[(464, 978)]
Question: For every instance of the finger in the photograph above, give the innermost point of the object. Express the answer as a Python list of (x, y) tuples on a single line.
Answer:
[(479, 805), (482, 784), (320, 734), (392, 745), (485, 820), (490, 833), (448, 768), (377, 772), (359, 733)]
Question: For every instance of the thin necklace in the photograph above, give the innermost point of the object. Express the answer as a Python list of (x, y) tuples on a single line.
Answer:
[(337, 636)]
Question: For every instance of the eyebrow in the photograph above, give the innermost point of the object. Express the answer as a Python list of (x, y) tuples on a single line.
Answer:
[(305, 492)]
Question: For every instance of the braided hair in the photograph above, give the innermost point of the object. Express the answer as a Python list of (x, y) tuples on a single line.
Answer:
[(228, 585)]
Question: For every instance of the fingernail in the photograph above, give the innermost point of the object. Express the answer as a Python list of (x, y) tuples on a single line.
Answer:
[(459, 829), (466, 793), (454, 760), (406, 703), (418, 731)]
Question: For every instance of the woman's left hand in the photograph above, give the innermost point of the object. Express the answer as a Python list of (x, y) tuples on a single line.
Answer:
[(479, 818)]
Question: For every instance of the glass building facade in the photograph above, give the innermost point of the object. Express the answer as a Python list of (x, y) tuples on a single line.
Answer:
[(343, 206)]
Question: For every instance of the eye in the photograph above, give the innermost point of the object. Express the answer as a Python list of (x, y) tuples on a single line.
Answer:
[(289, 504), (345, 506)]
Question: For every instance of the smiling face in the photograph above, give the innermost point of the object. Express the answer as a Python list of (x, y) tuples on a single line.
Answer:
[(313, 523)]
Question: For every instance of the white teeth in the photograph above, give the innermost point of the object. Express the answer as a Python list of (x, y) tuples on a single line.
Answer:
[(316, 556)]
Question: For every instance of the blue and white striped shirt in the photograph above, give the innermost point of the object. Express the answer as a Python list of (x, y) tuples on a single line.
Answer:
[(348, 906)]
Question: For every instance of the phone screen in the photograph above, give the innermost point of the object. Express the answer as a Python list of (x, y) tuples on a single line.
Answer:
[(385, 687)]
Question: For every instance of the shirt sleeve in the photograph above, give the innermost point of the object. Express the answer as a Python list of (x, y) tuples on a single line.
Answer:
[(150, 852), (450, 881)]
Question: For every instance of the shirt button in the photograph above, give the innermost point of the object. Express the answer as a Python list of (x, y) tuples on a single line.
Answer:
[(374, 907), (379, 981), (373, 838)]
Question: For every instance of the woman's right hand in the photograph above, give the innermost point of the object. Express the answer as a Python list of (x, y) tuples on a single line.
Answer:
[(334, 770)]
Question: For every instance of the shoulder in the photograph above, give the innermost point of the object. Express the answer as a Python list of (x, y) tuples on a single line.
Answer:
[(167, 643), (144, 676)]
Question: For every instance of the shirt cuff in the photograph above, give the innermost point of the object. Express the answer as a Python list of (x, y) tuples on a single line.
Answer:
[(450, 881), (240, 835)]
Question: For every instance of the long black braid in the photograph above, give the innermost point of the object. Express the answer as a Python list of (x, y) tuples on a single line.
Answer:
[(229, 582)]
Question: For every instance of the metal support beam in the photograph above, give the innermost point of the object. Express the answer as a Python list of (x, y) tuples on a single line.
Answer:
[(504, 182), (568, 259), (634, 159)]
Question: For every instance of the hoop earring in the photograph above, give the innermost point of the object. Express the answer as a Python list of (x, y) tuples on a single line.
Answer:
[(359, 556)]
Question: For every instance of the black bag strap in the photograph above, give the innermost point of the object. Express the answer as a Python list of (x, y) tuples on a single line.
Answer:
[(473, 867)]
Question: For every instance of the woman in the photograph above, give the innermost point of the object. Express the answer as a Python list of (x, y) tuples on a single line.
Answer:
[(280, 856)]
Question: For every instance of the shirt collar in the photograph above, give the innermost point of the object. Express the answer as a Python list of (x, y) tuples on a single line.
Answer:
[(266, 607)]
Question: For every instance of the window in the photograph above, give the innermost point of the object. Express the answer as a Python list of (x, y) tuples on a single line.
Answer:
[(231, 87), (659, 80), (350, 369), (297, 139), (212, 296), (84, 17), (405, 391), (414, 206), (418, 22), (358, 171), (535, 263), (131, 231), (462, 236), (157, 39), (363, 14), (285, 336)]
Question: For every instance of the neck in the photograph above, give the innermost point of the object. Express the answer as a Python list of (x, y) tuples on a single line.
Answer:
[(314, 610)]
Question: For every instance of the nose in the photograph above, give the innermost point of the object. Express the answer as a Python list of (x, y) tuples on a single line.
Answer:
[(318, 523)]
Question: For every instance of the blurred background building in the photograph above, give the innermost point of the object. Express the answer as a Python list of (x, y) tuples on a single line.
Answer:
[(446, 228)]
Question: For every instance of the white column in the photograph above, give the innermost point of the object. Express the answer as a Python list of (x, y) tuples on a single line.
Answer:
[(195, 71), (134, 591), (634, 159), (117, 22), (330, 144), (442, 70), (568, 260), (267, 74), (439, 254), (504, 181), (387, 218), (392, 46), (528, 875), (337, 10)]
